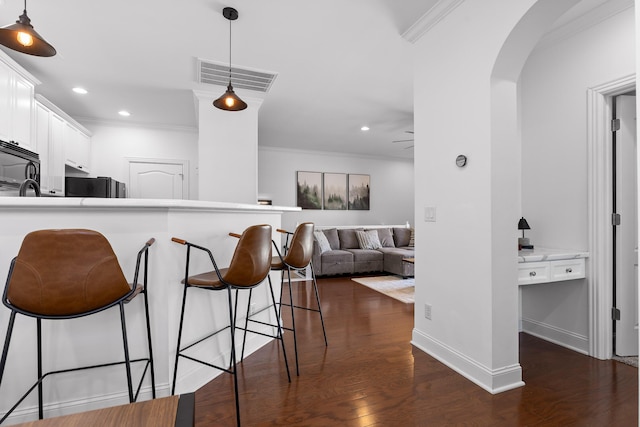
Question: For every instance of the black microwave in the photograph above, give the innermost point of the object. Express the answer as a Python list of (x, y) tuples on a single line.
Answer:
[(16, 165)]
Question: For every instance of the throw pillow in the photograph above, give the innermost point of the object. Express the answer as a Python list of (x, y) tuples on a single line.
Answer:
[(348, 239), (322, 240), (386, 238), (368, 239), (412, 239), (332, 237)]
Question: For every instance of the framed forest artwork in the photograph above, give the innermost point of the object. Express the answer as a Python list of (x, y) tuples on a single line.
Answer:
[(359, 192), (335, 191), (309, 190)]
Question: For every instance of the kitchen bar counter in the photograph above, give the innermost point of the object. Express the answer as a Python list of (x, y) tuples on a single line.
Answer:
[(127, 224)]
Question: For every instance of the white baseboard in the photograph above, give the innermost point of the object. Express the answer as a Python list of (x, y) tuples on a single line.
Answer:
[(562, 337), (492, 380)]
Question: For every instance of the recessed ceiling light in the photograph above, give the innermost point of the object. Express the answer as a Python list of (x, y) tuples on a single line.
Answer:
[(80, 90), (364, 128), (124, 113)]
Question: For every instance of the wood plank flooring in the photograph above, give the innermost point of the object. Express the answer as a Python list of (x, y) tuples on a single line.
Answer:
[(370, 375)]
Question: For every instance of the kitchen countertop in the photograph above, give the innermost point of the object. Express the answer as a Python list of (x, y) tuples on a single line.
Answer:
[(546, 254), (96, 202)]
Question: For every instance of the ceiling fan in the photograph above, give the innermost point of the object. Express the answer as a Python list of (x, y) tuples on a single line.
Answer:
[(405, 140)]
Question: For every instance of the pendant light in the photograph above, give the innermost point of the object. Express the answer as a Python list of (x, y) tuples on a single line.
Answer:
[(229, 100), (22, 37)]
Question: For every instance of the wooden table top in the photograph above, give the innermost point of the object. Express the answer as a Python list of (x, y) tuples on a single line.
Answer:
[(161, 412), (411, 260)]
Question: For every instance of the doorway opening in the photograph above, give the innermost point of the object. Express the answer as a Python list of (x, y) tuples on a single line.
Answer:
[(600, 268), (625, 227), (158, 179)]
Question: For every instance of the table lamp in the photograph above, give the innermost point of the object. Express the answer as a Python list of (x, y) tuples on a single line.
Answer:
[(523, 242)]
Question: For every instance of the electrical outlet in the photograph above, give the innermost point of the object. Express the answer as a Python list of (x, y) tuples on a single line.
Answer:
[(427, 311)]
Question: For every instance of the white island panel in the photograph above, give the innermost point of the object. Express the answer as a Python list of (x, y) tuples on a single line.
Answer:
[(127, 224)]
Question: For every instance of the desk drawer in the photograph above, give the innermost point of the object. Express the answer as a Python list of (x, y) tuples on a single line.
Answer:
[(530, 273), (567, 269)]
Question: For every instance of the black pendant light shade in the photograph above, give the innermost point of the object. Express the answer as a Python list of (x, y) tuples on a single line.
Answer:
[(22, 37), (229, 101)]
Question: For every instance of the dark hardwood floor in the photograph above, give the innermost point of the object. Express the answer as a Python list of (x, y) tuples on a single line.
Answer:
[(370, 375)]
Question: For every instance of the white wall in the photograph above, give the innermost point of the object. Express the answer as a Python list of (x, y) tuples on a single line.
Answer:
[(554, 161), (392, 186), (228, 151), (466, 259), (112, 144)]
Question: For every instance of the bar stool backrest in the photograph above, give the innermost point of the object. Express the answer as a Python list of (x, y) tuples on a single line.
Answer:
[(301, 246), (251, 260), (65, 272)]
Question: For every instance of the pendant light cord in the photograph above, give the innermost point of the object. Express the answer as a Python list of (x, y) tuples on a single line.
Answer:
[(229, 49)]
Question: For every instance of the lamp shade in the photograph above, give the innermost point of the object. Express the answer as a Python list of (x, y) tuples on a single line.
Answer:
[(229, 101), (22, 37), (523, 224)]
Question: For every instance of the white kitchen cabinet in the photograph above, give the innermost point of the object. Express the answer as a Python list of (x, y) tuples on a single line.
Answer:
[(50, 145), (17, 105), (77, 148)]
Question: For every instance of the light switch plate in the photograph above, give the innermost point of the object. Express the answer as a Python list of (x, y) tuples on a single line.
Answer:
[(430, 214)]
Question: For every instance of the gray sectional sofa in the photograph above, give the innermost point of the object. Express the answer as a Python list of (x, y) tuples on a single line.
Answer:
[(346, 256)]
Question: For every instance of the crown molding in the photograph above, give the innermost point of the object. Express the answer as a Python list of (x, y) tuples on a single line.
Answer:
[(332, 153), (427, 21), (593, 17), (87, 121)]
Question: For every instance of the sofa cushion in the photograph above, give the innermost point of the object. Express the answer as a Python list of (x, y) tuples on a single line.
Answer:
[(348, 239), (385, 235), (394, 261), (323, 243), (337, 262), (401, 236), (368, 239), (332, 237), (366, 255)]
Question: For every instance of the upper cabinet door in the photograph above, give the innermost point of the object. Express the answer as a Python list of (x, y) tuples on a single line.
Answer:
[(5, 103), (23, 111), (16, 108)]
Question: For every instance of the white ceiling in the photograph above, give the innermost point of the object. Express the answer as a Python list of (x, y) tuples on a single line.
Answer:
[(340, 64)]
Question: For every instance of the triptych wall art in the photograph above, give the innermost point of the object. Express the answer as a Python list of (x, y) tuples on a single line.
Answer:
[(332, 191)]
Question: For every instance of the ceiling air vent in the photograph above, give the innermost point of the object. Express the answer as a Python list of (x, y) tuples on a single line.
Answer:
[(242, 78)]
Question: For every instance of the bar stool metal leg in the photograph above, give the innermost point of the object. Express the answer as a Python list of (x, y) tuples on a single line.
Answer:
[(39, 339), (127, 362), (315, 288), (293, 320), (234, 372)]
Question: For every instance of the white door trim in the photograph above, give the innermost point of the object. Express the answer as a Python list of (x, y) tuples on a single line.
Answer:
[(599, 177), (184, 163)]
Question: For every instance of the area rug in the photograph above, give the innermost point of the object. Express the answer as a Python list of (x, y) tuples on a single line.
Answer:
[(629, 360), (393, 286)]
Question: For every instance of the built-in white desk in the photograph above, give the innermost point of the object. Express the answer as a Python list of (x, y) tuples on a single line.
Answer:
[(542, 265)]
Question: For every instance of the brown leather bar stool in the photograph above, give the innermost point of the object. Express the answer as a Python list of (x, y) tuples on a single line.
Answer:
[(249, 267), (297, 256), (68, 274)]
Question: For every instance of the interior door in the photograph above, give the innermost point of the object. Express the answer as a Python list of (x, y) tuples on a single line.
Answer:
[(157, 180), (626, 234)]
